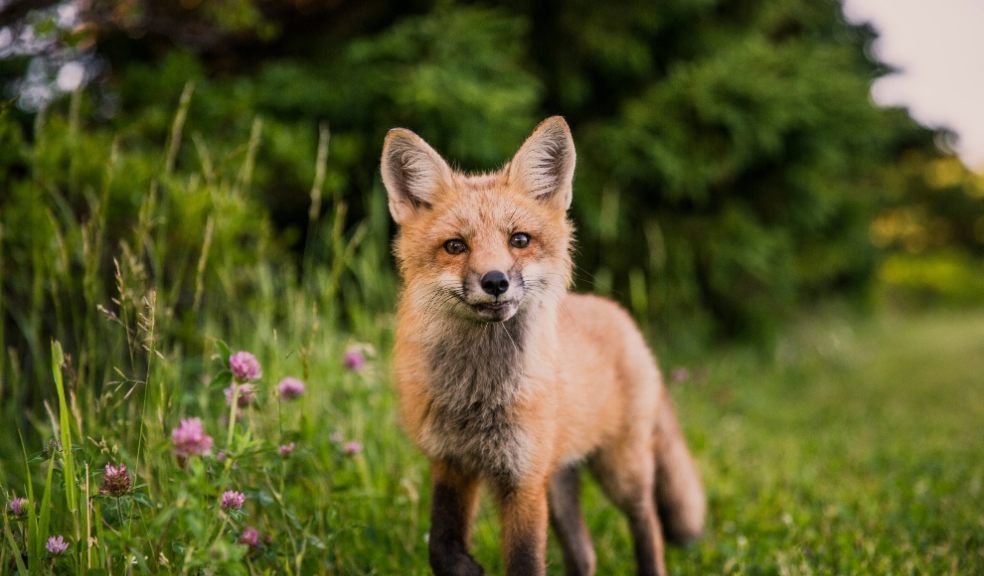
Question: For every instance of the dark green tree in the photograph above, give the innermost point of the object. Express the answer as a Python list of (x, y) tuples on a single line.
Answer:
[(730, 159)]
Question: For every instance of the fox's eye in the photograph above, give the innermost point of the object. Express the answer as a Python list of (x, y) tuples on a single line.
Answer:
[(519, 240), (455, 246)]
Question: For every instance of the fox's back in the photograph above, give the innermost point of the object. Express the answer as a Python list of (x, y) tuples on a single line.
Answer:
[(606, 375)]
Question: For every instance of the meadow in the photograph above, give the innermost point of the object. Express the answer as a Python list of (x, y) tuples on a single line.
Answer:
[(852, 446), (856, 450)]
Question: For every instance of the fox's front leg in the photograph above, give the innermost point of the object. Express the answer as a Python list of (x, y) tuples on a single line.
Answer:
[(454, 497), (524, 528)]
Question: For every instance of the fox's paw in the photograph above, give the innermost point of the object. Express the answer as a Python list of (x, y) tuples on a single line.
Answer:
[(455, 564)]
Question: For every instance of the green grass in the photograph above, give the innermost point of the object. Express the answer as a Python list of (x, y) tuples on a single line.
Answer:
[(857, 450), (860, 452)]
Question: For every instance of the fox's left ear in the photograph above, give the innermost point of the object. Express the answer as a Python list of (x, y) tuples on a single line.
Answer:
[(544, 165)]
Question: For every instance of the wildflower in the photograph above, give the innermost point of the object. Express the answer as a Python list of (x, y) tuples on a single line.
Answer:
[(245, 366), (116, 481), (286, 449), (355, 358), (232, 499), (352, 448), (250, 537), (246, 396), (190, 439), (220, 456), (56, 545), (290, 388), (18, 506), (680, 374)]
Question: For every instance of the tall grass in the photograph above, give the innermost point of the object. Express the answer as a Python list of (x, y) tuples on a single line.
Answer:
[(127, 293)]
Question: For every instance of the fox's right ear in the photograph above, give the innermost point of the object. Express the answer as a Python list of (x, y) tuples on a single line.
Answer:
[(413, 173)]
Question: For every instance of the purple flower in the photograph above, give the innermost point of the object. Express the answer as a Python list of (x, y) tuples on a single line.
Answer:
[(286, 449), (290, 388), (247, 395), (220, 456), (232, 499), (352, 448), (18, 506), (56, 545), (250, 537), (245, 366), (680, 374), (190, 439), (355, 358), (116, 481)]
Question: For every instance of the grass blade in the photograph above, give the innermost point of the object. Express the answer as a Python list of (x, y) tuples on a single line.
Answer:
[(32, 518), (57, 359), (45, 520), (18, 558)]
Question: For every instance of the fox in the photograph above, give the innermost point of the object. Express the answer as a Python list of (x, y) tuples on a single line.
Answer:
[(506, 379)]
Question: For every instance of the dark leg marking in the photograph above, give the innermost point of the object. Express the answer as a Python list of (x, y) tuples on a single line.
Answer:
[(449, 531), (568, 522), (522, 557), (647, 540)]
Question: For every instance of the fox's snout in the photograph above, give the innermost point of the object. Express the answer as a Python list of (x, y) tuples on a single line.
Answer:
[(494, 295)]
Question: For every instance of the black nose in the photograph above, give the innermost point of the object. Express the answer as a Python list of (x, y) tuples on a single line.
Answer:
[(495, 283)]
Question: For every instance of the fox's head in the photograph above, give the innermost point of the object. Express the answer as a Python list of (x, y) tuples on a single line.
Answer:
[(482, 247)]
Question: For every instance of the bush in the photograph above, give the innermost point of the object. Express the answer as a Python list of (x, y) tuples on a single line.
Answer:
[(730, 159)]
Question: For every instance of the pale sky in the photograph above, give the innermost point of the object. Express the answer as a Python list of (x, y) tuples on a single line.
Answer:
[(938, 47)]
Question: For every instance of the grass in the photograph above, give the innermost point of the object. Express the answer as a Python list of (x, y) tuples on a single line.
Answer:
[(859, 452), (856, 449)]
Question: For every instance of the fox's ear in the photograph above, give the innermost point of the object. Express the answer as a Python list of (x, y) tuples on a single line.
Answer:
[(544, 165), (413, 173)]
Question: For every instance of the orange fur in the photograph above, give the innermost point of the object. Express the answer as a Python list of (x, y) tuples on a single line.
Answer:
[(519, 387)]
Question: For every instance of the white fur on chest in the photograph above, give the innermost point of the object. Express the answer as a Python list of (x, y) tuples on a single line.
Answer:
[(475, 379)]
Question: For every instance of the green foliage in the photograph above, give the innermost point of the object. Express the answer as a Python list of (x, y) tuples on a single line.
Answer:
[(729, 157), (140, 266), (941, 277), (931, 221)]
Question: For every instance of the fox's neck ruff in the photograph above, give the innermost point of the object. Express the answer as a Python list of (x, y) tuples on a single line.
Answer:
[(477, 371), (480, 362)]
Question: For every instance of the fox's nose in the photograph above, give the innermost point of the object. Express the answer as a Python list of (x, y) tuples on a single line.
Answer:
[(495, 283)]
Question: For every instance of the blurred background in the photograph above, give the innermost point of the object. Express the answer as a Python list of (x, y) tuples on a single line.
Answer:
[(733, 167), (734, 172)]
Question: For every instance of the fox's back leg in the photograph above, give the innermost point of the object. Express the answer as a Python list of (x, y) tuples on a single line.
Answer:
[(568, 523), (626, 471), (680, 495)]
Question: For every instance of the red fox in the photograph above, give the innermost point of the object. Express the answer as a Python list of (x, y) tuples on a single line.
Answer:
[(505, 377)]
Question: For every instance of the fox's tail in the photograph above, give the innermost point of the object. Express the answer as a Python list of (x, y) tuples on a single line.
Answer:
[(680, 498)]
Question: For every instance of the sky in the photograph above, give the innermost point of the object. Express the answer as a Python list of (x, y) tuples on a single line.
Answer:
[(938, 47)]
